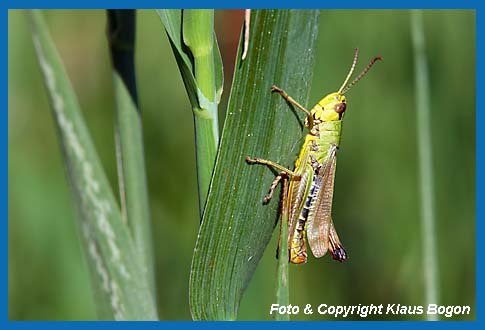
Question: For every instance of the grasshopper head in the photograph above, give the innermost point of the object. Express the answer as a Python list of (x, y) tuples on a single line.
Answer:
[(330, 108)]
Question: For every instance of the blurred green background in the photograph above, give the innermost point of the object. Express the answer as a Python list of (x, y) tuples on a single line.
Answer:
[(376, 206)]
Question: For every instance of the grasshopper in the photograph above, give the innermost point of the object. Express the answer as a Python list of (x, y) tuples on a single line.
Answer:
[(310, 193)]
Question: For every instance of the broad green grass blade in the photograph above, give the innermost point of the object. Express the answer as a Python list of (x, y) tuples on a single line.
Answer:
[(121, 290), (191, 34), (236, 227), (129, 138), (426, 173)]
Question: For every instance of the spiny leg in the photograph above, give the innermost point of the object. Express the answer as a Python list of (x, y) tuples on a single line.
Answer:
[(274, 184), (277, 166), (298, 105)]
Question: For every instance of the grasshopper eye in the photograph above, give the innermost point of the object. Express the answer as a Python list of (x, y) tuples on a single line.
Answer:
[(340, 108)]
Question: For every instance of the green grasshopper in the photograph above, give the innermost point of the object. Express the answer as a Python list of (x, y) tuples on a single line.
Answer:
[(310, 193)]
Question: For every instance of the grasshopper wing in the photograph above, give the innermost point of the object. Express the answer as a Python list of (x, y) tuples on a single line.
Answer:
[(319, 223), (336, 248)]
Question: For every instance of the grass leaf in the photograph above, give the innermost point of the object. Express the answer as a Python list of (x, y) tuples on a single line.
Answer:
[(172, 21), (129, 138), (191, 34), (236, 227), (121, 292)]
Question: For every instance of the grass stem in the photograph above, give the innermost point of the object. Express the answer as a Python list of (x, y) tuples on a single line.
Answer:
[(426, 173)]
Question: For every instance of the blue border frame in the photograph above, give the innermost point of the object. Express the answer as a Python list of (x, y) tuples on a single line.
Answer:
[(224, 4), (478, 170), (100, 4)]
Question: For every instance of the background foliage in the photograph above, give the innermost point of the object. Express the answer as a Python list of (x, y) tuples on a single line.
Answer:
[(376, 193)]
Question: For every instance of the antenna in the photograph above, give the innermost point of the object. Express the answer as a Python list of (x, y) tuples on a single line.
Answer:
[(363, 73), (351, 70)]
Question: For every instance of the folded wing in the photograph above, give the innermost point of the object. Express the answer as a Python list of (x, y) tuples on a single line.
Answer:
[(319, 225)]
